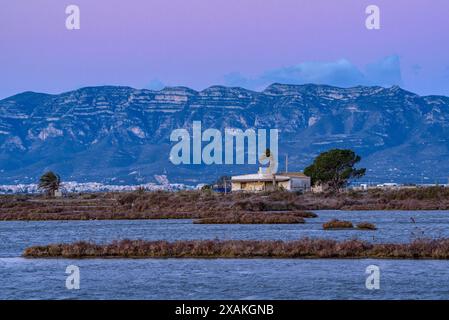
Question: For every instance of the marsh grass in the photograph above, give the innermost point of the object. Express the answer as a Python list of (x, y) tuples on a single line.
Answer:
[(303, 248), (336, 224), (198, 204), (257, 218), (366, 226)]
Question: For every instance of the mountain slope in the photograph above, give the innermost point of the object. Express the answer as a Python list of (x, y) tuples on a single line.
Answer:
[(121, 134)]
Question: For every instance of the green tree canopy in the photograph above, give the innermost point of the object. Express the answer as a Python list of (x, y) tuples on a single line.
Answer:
[(50, 182), (334, 168)]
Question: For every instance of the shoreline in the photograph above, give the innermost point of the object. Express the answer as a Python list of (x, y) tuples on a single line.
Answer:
[(228, 258), (142, 205)]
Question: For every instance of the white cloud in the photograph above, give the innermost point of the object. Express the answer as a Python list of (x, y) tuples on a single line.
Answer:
[(155, 84), (342, 73)]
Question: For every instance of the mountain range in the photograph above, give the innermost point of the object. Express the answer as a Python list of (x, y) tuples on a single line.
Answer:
[(121, 134)]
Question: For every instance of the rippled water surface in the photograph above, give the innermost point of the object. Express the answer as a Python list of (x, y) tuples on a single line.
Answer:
[(223, 278)]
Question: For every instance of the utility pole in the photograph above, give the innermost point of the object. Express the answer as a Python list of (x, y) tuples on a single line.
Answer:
[(286, 162), (225, 183)]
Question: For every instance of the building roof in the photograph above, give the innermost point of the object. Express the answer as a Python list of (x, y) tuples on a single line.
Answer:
[(258, 177), (294, 174)]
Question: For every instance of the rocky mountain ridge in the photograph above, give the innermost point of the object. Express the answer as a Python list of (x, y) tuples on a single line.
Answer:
[(121, 134)]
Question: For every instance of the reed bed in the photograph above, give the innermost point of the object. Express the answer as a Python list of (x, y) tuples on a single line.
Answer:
[(303, 248), (257, 218), (336, 224), (366, 226)]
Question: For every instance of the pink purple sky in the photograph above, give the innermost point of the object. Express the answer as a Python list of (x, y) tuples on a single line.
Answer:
[(199, 43)]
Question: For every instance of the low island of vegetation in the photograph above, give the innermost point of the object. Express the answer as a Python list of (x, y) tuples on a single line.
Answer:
[(366, 226), (336, 224), (303, 248), (257, 218)]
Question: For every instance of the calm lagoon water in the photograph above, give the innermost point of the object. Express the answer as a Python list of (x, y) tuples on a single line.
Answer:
[(223, 278)]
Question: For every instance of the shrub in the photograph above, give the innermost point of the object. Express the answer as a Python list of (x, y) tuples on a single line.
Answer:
[(305, 214), (253, 218), (128, 198), (336, 224), (366, 226)]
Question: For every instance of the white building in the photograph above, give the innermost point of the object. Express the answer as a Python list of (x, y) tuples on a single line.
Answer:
[(291, 181)]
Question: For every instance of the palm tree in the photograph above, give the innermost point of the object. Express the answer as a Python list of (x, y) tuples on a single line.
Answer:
[(50, 182)]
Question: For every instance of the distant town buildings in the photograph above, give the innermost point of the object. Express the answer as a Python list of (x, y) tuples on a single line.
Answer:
[(71, 186), (394, 186)]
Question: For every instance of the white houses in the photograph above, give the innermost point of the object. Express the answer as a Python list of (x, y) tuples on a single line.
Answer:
[(291, 181)]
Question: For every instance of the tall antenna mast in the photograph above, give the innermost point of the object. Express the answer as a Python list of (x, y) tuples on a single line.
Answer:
[(286, 163)]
